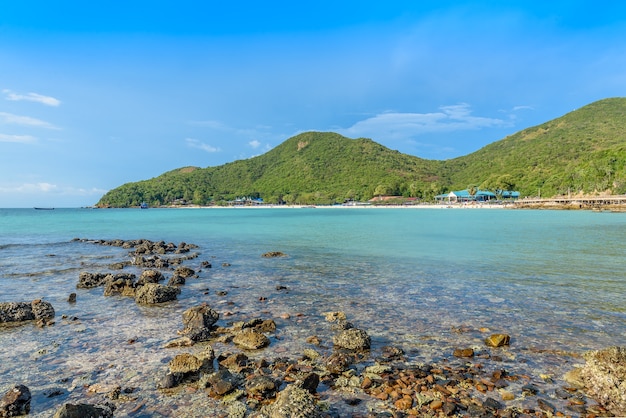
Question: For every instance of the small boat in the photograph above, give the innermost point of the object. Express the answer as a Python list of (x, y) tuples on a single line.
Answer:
[(44, 208), (143, 205)]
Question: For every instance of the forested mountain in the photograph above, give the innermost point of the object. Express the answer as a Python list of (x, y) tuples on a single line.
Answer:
[(583, 151)]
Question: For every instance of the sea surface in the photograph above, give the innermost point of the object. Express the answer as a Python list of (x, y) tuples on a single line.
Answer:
[(426, 280)]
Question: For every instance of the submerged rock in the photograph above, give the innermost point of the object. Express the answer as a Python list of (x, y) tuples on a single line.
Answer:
[(604, 378), (15, 402)]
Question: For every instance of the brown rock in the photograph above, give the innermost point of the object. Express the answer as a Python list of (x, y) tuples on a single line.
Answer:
[(15, 402), (497, 340), (251, 339), (463, 352)]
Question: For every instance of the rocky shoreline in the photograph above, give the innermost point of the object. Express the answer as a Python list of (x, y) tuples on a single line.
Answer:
[(329, 378)]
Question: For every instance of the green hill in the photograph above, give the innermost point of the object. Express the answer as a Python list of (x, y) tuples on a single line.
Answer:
[(583, 151)]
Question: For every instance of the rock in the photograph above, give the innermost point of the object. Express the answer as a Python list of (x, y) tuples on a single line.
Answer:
[(169, 381), (150, 276), (338, 362), (491, 404), (273, 254), (234, 362), (88, 280), (152, 293), (463, 352), (189, 364), (497, 340), (250, 339), (21, 311), (198, 322), (261, 387), (84, 411), (185, 272), (352, 339), (15, 402), (294, 401), (72, 298), (334, 316), (42, 310), (604, 378), (176, 281), (221, 382), (310, 382), (119, 284), (16, 312), (546, 406)]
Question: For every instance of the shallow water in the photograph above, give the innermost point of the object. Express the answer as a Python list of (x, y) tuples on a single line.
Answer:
[(427, 280)]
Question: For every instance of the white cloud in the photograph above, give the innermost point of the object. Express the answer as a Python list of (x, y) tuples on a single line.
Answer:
[(194, 143), (404, 126), (10, 118), (29, 188), (32, 97), (516, 108), (24, 139), (254, 144)]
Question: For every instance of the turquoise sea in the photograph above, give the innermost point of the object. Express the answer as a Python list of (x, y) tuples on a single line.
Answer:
[(426, 280)]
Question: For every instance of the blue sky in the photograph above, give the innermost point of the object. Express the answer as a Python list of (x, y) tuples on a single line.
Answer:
[(97, 94)]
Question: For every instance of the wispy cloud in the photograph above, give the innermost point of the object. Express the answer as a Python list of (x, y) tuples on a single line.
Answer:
[(195, 143), (10, 118), (394, 125), (24, 139), (31, 97), (254, 144), (29, 188)]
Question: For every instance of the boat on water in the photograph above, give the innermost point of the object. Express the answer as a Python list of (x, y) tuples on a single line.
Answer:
[(143, 205), (44, 208)]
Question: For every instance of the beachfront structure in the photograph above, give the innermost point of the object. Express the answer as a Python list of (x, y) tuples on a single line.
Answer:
[(465, 196)]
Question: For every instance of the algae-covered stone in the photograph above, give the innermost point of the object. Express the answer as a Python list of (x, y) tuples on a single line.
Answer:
[(251, 339), (294, 401), (604, 377), (352, 339)]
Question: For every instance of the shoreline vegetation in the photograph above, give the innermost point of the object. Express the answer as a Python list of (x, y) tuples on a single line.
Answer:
[(611, 203)]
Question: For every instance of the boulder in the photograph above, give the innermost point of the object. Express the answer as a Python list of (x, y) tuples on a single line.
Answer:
[(604, 378), (149, 276), (152, 293), (22, 311), (198, 322), (15, 402), (352, 339), (261, 387), (16, 312), (294, 401), (119, 284), (83, 410), (273, 254), (250, 339)]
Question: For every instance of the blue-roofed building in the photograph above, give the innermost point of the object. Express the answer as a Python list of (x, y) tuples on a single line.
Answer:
[(480, 196), (508, 194), (465, 196)]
